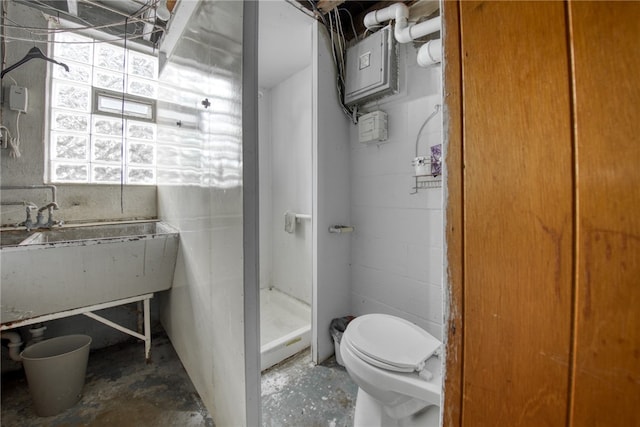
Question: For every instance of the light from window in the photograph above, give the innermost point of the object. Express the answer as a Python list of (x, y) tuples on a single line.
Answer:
[(91, 119), (116, 104)]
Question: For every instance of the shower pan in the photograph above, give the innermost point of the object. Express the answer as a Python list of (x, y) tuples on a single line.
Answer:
[(285, 326)]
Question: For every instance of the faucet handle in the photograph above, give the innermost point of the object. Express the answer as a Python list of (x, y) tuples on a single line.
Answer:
[(50, 222), (28, 223)]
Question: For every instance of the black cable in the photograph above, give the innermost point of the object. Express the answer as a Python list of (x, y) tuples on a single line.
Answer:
[(122, 129)]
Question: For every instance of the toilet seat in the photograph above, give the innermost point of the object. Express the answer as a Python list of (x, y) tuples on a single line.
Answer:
[(390, 343)]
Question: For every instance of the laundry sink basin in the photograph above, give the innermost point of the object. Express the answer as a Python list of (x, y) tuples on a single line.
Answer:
[(48, 271), (13, 237)]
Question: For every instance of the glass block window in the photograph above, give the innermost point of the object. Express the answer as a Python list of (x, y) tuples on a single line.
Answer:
[(97, 133)]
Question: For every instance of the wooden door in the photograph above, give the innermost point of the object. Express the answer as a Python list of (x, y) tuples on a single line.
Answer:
[(543, 224), (606, 44), (518, 213)]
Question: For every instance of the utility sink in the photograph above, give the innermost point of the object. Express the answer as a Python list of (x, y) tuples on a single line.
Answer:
[(48, 271)]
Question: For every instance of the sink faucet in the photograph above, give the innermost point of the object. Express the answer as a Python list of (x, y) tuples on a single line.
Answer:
[(50, 222), (28, 223)]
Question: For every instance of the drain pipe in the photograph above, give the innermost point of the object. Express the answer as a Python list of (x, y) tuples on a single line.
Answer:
[(397, 11), (430, 53), (405, 33), (37, 333), (15, 342)]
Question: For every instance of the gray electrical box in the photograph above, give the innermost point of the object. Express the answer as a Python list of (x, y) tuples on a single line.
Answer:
[(372, 68)]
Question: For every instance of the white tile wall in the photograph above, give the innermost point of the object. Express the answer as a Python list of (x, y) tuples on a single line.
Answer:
[(203, 313), (286, 185), (397, 248)]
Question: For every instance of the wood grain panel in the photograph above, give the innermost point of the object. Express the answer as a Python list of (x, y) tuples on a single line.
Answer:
[(452, 408), (518, 212), (607, 93)]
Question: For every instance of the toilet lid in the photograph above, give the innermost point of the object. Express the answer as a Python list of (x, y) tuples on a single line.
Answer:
[(390, 342)]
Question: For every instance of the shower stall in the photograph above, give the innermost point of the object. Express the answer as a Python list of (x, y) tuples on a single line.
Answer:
[(285, 218), (285, 147)]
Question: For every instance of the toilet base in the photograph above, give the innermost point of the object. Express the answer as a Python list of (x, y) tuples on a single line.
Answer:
[(369, 413)]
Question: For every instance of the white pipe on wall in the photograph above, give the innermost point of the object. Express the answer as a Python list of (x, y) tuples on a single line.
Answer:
[(397, 11), (405, 33), (15, 342), (416, 31), (430, 53)]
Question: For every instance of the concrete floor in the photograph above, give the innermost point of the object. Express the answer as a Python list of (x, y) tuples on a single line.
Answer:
[(297, 393), (122, 390)]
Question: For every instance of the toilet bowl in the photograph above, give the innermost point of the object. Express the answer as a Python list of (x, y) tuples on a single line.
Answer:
[(397, 369)]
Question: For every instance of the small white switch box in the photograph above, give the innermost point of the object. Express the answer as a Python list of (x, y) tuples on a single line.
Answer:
[(372, 127), (18, 96)]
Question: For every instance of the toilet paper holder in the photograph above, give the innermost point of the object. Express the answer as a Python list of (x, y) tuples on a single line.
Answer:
[(339, 229)]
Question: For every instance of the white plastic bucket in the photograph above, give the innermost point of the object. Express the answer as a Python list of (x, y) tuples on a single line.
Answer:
[(56, 370)]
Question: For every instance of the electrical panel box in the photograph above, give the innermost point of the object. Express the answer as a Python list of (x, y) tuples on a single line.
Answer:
[(372, 68), (372, 127)]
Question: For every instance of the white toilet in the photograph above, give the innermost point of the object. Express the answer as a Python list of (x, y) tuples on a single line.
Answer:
[(396, 366)]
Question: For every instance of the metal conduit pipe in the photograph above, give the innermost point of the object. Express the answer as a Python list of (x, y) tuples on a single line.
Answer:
[(35, 187), (23, 203), (15, 342)]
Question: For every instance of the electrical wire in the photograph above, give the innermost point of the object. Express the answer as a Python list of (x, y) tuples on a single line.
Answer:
[(10, 38), (5, 142), (341, 41), (133, 16), (368, 30), (14, 143), (47, 31), (57, 12), (353, 27), (39, 31), (339, 79), (318, 13), (337, 50)]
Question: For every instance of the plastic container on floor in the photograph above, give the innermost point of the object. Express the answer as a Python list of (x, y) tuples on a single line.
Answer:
[(337, 328), (56, 371)]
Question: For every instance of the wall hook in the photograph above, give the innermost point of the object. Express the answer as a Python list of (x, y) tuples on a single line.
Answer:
[(206, 103)]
